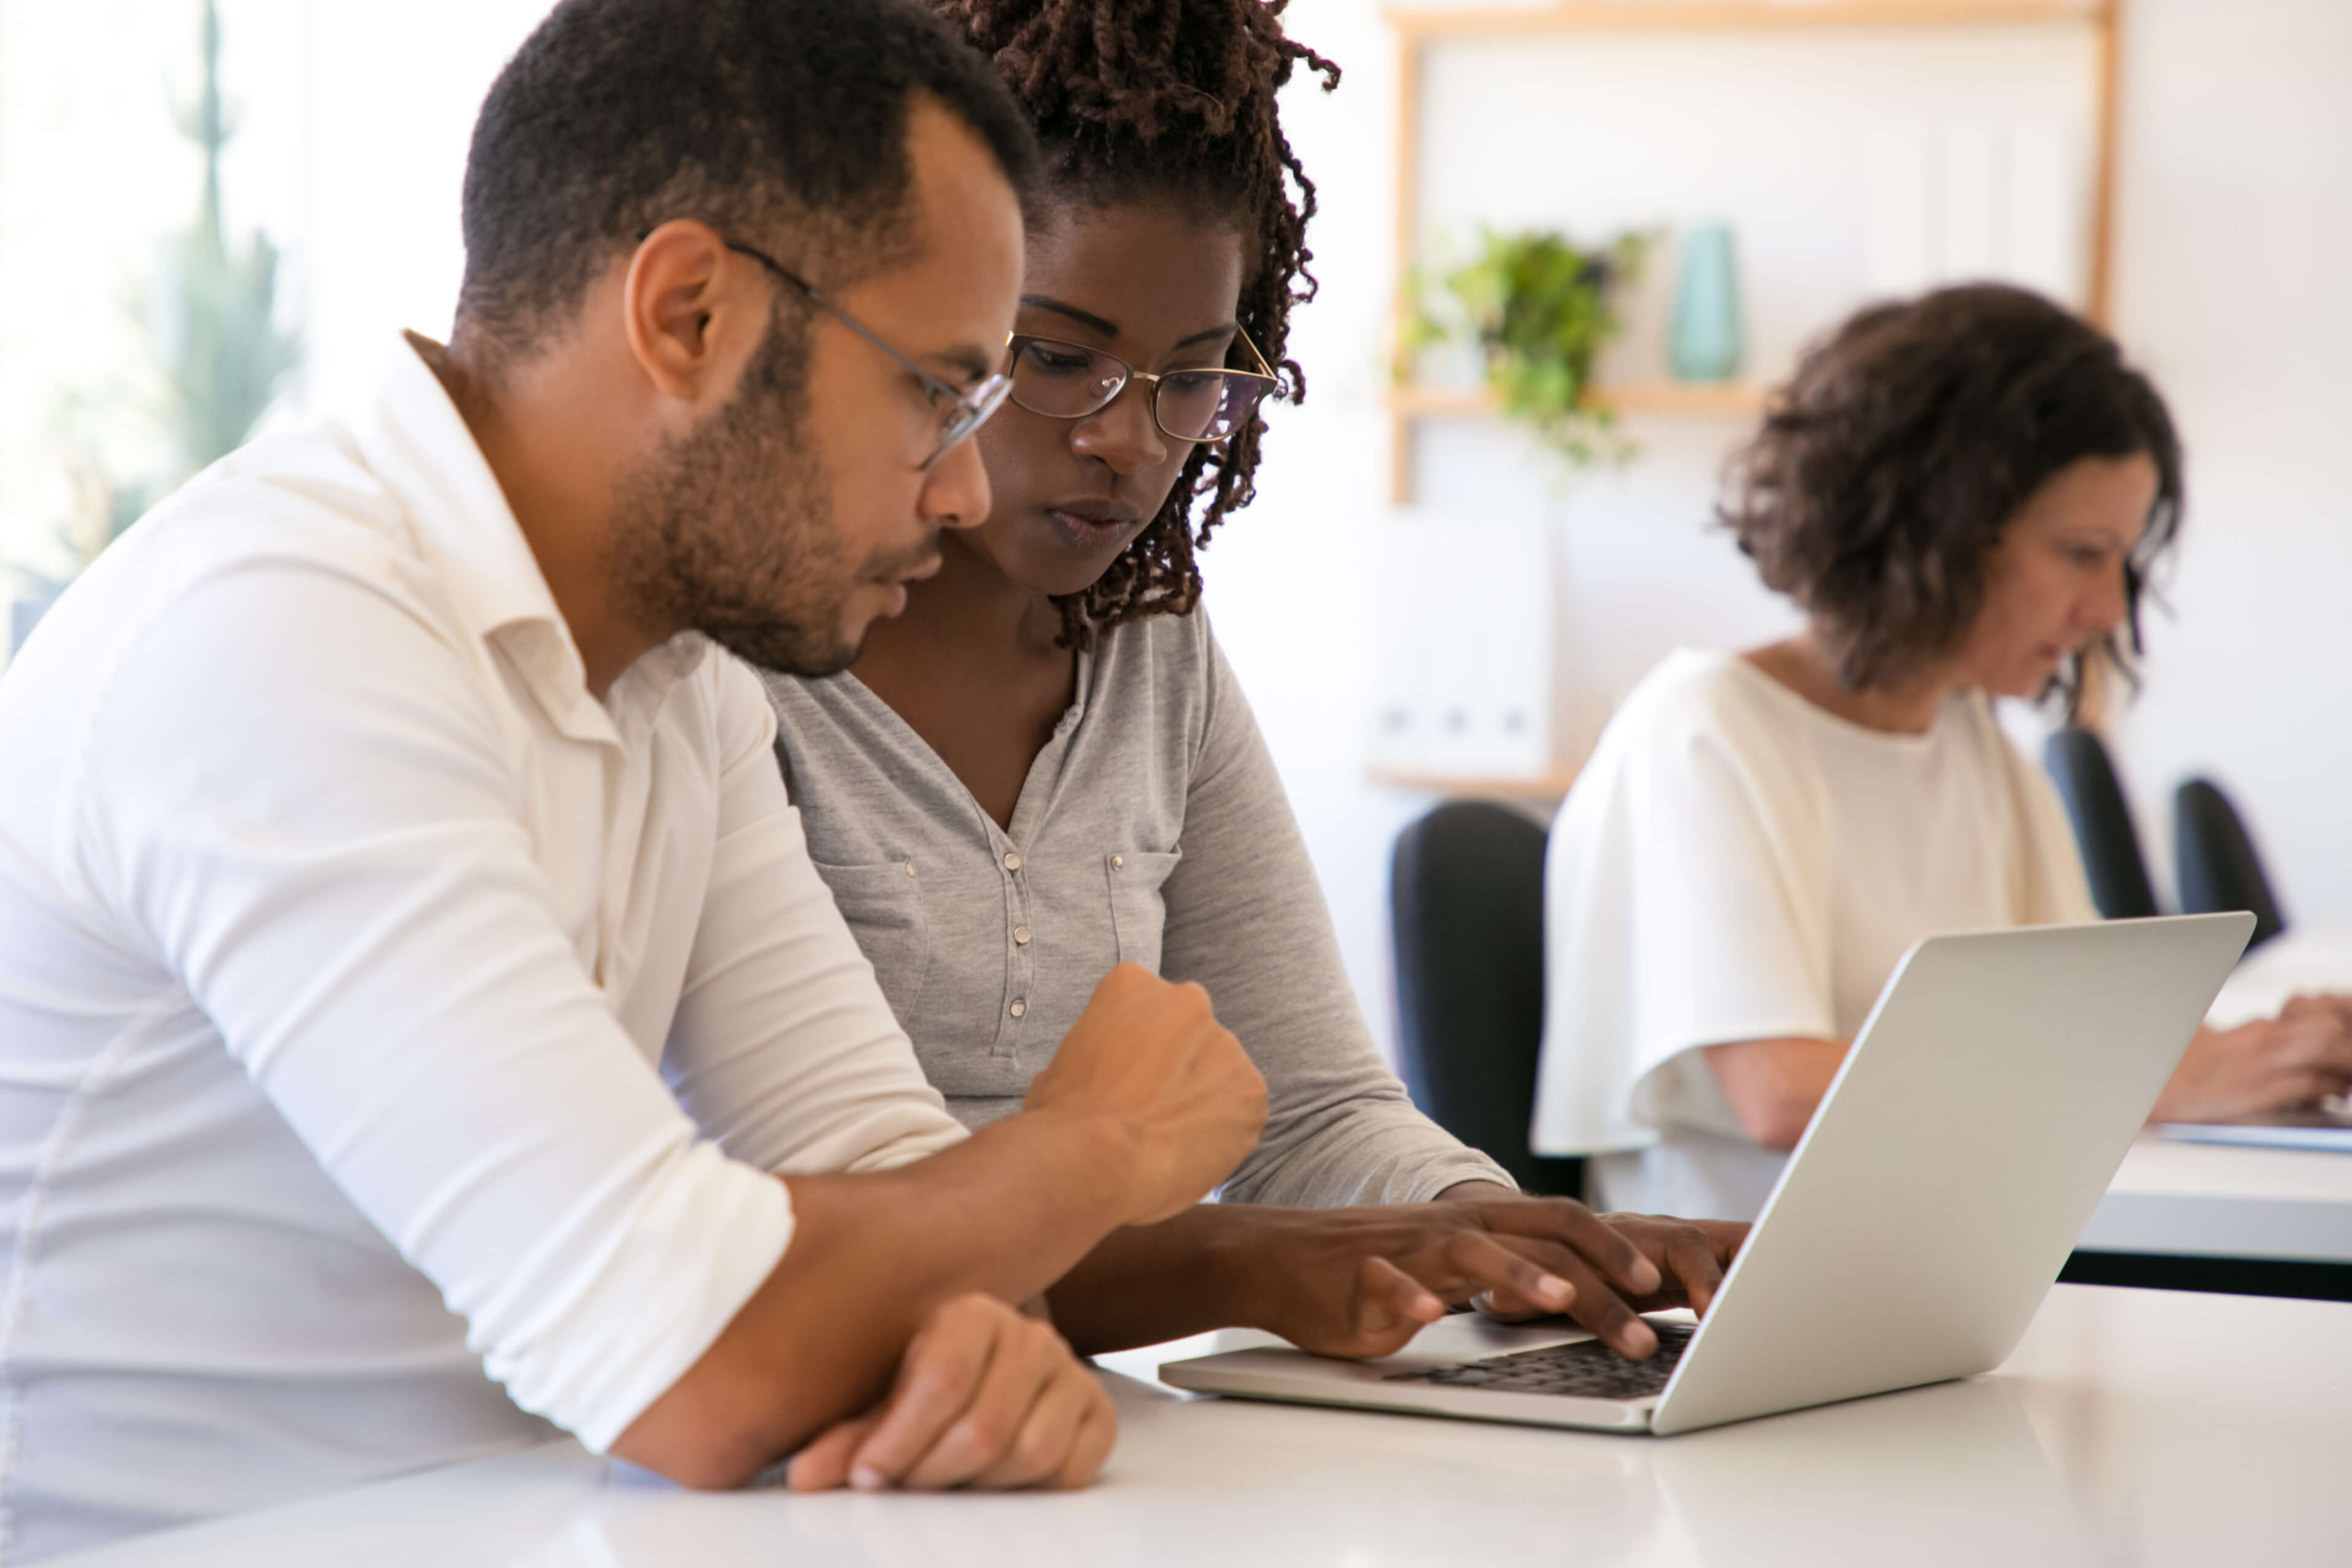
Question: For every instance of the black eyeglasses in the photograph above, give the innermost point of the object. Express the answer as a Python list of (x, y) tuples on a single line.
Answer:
[(1070, 381), (963, 409)]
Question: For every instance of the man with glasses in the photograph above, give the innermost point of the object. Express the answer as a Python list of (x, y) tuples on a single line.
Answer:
[(420, 1020)]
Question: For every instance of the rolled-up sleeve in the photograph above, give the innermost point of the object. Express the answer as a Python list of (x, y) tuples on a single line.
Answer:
[(784, 1046), (1246, 919), (363, 919)]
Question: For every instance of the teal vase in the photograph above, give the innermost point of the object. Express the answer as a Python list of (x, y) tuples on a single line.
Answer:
[(1706, 343)]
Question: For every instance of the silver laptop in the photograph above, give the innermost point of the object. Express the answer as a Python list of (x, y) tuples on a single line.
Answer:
[(1912, 1235)]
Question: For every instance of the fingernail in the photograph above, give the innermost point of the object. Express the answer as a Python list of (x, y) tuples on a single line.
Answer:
[(1557, 1292), (1641, 1340), (1645, 1276), (866, 1477), (1429, 1308)]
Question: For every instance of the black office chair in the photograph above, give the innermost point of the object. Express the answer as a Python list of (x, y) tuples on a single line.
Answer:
[(2077, 760), (2216, 863), (1465, 890)]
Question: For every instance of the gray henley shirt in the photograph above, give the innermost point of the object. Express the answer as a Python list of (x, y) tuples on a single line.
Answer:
[(1153, 830)]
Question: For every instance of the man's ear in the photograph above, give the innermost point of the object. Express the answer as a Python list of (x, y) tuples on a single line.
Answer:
[(689, 312)]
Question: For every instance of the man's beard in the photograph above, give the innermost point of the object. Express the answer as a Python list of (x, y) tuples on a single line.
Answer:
[(729, 531)]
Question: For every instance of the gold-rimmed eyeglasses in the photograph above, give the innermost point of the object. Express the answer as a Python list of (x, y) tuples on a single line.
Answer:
[(1070, 381)]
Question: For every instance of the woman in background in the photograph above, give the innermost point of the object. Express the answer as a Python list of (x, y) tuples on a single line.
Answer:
[(1043, 766), (1963, 494)]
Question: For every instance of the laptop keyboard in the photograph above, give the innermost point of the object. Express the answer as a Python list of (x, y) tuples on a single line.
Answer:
[(1587, 1369)]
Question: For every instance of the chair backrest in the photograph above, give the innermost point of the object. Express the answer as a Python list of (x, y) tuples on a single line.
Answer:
[(2215, 860), (1467, 896), (2078, 763)]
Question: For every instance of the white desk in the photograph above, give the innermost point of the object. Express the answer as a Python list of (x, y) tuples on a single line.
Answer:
[(2142, 1427), (2211, 1200), (2216, 1206)]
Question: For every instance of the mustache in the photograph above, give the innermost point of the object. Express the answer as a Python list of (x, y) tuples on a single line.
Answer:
[(905, 565)]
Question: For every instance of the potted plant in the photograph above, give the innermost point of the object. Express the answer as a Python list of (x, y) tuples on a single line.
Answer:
[(1539, 309)]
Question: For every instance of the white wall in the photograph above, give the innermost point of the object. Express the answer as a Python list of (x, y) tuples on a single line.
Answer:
[(2236, 291), (2236, 226)]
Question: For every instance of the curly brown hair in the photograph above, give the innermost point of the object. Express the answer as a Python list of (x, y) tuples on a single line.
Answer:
[(1169, 100), (1887, 468)]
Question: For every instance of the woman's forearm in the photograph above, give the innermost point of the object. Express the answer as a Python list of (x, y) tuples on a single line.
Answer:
[(1774, 1086), (1144, 1284)]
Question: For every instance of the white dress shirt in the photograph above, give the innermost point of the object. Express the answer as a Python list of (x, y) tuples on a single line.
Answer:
[(395, 1039), (1737, 863)]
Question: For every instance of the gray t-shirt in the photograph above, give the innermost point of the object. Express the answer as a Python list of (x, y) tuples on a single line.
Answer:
[(1150, 830)]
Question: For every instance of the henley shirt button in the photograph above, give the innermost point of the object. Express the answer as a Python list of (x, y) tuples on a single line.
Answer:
[(910, 868), (1118, 863), (1019, 1007), (1021, 935), (1012, 862)]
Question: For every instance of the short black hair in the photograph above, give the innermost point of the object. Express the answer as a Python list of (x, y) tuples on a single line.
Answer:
[(1889, 465), (759, 117)]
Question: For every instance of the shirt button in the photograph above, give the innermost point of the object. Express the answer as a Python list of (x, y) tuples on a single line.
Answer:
[(1117, 862), (910, 868), (1012, 862), (1021, 935), (1019, 1007)]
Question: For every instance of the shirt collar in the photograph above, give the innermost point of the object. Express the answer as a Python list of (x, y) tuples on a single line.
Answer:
[(418, 445)]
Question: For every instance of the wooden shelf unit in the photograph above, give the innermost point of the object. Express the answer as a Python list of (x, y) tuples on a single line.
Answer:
[(1416, 28), (1741, 398), (1551, 786), (1712, 16)]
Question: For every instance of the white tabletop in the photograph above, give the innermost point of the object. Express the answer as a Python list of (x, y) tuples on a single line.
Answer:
[(2200, 1200), (2213, 1200), (2144, 1427)]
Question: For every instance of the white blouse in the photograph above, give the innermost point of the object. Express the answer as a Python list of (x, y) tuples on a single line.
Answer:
[(1737, 863)]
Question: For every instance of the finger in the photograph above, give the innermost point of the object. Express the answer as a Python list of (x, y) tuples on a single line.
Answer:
[(1041, 1446), (942, 1370), (824, 1464), (1727, 1236), (1480, 1264), (1591, 1237), (1097, 1432), (1388, 1307), (1028, 1357), (1691, 1263), (1384, 1289), (1505, 1308), (1602, 1310)]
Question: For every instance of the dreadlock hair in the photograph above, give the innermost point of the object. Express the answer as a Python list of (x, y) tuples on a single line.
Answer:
[(1171, 100)]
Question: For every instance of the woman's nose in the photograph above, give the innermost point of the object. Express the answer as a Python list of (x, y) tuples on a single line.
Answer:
[(1122, 433), (2109, 604)]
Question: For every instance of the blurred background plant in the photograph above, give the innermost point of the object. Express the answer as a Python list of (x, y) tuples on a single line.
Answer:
[(1538, 310), (219, 358)]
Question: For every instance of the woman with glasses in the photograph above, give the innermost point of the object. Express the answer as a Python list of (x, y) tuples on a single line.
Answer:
[(1044, 768)]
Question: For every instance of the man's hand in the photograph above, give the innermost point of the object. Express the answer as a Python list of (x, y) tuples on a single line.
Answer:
[(985, 1398), (2304, 1054), (1363, 1282), (1149, 1059)]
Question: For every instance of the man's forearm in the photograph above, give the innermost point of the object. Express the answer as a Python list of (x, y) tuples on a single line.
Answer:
[(1007, 1211)]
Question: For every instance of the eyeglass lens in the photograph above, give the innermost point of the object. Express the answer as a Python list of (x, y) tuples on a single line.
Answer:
[(1064, 381)]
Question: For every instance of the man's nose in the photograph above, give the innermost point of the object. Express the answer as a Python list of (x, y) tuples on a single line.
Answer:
[(955, 490)]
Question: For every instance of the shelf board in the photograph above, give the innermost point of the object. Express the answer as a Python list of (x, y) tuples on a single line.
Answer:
[(1688, 15), (1741, 398), (1551, 786)]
